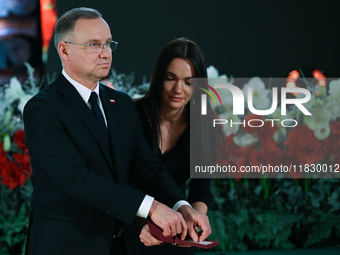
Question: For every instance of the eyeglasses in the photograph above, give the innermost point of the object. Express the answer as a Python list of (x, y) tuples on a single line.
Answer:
[(98, 47)]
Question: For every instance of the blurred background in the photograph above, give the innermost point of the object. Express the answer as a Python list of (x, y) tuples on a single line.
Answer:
[(20, 38), (240, 39)]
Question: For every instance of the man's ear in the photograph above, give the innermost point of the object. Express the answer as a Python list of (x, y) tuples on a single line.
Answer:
[(63, 51)]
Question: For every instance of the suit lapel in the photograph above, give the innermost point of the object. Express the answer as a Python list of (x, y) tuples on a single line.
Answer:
[(112, 119), (77, 104)]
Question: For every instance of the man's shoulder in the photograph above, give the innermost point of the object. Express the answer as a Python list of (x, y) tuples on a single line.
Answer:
[(46, 97), (46, 93)]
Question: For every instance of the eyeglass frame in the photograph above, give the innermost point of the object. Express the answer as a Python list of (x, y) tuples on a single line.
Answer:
[(102, 45)]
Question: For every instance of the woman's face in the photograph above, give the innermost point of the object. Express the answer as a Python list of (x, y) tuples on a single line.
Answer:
[(177, 90)]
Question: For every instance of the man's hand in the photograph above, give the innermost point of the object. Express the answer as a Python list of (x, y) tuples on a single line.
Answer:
[(195, 219), (147, 238), (167, 219)]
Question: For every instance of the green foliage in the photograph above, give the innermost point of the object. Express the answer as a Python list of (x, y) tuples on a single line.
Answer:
[(274, 213), (322, 225), (14, 208)]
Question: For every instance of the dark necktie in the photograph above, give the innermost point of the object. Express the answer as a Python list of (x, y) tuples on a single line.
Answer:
[(98, 115)]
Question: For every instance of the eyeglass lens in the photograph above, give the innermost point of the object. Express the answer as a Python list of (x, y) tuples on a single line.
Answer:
[(112, 46)]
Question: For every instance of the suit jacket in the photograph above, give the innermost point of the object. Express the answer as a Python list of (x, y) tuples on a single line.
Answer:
[(81, 187)]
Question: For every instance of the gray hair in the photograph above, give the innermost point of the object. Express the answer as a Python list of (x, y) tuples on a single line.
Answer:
[(66, 23)]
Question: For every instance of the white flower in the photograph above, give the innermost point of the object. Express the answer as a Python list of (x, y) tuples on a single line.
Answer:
[(333, 101), (260, 93), (319, 122), (245, 139), (333, 107), (227, 128), (212, 72), (334, 89), (308, 105), (15, 92), (322, 130), (215, 78)]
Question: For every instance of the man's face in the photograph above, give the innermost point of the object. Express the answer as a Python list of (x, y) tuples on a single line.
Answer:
[(89, 68)]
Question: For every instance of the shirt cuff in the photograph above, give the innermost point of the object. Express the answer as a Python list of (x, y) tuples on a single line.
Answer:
[(179, 204), (144, 208)]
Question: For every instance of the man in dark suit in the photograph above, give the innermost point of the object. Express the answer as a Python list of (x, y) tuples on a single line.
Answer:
[(81, 159)]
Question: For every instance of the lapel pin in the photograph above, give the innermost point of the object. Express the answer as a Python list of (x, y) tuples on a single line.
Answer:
[(112, 101)]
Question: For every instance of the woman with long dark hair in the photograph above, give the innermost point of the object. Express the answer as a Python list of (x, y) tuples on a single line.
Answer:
[(165, 119)]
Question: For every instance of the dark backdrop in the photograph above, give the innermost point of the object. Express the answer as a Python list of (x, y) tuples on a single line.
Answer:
[(240, 38)]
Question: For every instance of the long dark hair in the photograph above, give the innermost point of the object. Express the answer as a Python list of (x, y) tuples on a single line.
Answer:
[(187, 50)]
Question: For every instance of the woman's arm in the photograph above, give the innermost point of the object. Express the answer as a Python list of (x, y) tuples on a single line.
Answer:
[(200, 206)]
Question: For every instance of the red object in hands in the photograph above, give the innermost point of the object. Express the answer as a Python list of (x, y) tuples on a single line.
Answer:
[(158, 233)]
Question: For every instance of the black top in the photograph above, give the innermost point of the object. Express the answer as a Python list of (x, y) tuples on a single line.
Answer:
[(176, 162)]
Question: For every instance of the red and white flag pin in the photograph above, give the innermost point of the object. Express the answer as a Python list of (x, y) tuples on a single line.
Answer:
[(112, 101)]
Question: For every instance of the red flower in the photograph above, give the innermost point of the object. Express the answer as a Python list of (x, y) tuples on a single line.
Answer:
[(268, 156), (291, 143), (271, 153), (331, 145), (291, 162), (310, 151), (267, 131), (242, 154), (256, 158), (303, 146), (295, 175), (12, 175), (19, 139), (3, 156), (247, 128), (240, 157), (229, 140), (24, 161), (335, 129)]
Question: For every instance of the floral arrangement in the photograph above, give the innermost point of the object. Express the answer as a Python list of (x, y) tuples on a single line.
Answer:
[(15, 168), (274, 212), (305, 141)]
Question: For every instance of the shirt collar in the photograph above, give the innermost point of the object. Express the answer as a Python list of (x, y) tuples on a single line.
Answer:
[(82, 90)]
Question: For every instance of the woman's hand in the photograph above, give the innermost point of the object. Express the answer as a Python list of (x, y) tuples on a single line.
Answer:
[(195, 219), (147, 238)]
